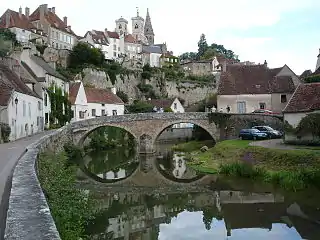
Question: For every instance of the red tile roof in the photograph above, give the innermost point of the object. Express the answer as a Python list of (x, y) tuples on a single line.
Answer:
[(130, 39), (52, 19), (98, 37), (73, 91), (306, 98), (99, 95), (113, 34), (16, 20), (12, 82), (253, 79), (164, 103)]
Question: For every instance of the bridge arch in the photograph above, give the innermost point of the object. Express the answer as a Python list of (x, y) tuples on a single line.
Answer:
[(209, 128)]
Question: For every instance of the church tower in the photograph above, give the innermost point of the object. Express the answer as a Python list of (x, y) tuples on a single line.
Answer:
[(148, 30), (137, 28), (121, 26)]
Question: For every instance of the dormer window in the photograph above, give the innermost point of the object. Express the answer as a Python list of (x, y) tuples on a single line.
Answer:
[(258, 86), (136, 26)]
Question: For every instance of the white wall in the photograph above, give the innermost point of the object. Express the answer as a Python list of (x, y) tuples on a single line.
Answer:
[(294, 118), (176, 106), (61, 40), (252, 101), (155, 59), (114, 47), (108, 108), (25, 113), (80, 105), (21, 34)]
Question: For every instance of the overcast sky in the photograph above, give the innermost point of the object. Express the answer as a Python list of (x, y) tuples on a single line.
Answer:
[(279, 31)]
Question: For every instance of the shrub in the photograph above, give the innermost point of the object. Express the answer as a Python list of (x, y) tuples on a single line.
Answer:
[(5, 131), (124, 97)]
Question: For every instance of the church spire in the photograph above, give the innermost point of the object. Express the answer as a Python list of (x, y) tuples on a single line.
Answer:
[(148, 30)]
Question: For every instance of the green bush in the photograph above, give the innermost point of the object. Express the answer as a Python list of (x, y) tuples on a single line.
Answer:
[(124, 97), (140, 107), (5, 131)]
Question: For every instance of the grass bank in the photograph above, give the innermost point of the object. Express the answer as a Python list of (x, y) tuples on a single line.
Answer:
[(291, 169), (69, 206), (192, 146)]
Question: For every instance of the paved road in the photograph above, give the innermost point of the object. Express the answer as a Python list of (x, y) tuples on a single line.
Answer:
[(9, 155), (273, 143)]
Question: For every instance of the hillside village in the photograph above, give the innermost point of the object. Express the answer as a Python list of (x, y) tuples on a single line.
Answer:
[(50, 76)]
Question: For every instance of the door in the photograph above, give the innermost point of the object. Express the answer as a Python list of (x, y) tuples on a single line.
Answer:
[(241, 107)]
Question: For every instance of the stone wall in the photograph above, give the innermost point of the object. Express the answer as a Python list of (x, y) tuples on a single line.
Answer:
[(172, 134), (28, 215)]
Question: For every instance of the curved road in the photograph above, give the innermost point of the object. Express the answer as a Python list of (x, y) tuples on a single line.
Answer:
[(10, 153), (273, 143)]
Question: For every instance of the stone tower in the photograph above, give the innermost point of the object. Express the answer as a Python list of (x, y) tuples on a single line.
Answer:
[(318, 61), (122, 26), (137, 28), (148, 30)]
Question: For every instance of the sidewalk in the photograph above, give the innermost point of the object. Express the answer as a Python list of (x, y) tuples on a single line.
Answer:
[(9, 155)]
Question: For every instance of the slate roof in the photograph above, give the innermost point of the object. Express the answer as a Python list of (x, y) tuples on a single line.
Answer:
[(306, 73), (151, 49), (306, 98), (253, 79), (99, 95), (39, 61), (52, 19), (73, 91), (12, 82), (29, 70)]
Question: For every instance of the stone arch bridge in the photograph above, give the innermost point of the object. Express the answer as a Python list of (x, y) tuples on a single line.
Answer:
[(145, 127)]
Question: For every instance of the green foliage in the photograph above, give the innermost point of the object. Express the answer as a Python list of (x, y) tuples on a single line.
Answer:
[(220, 119), (168, 109), (112, 70), (205, 78), (124, 97), (188, 56), (310, 124), (202, 46), (41, 48), (7, 42), (140, 107), (70, 207), (211, 101), (5, 131), (208, 54), (59, 102), (147, 90), (173, 72), (312, 79), (83, 54), (74, 154)]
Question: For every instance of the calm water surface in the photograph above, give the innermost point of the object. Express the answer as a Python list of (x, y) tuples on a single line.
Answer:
[(228, 209)]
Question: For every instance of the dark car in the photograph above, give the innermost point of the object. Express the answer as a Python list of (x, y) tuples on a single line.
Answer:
[(252, 134), (269, 130)]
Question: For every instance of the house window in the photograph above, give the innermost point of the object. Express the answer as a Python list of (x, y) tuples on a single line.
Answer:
[(72, 113), (114, 112), (93, 112), (103, 112), (118, 49), (29, 108), (81, 114), (46, 116), (115, 47), (24, 108), (283, 98), (136, 26), (114, 54), (175, 106), (262, 105), (39, 105)]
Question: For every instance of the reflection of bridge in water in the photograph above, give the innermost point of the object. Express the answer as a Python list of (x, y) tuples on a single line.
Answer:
[(141, 214)]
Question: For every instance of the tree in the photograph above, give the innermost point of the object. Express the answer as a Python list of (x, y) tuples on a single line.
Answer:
[(202, 46), (312, 79), (124, 97), (83, 53), (209, 54), (140, 107), (188, 56), (310, 124), (7, 42)]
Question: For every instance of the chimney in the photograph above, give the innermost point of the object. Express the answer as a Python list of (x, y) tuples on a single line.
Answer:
[(27, 12), (53, 10), (43, 10), (65, 20), (224, 66), (20, 11), (8, 18), (114, 90), (265, 63)]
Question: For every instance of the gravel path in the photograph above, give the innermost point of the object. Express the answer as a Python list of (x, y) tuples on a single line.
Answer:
[(273, 143)]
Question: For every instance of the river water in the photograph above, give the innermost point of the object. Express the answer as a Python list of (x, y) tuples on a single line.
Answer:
[(225, 209)]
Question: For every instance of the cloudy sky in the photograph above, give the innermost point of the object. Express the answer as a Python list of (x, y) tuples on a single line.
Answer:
[(279, 31)]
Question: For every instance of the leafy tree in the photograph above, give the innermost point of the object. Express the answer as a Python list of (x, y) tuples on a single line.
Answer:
[(7, 42), (209, 54), (124, 97), (312, 79), (83, 54), (188, 55), (140, 107), (310, 124), (202, 46)]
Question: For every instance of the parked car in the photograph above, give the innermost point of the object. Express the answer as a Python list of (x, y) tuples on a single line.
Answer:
[(269, 131), (252, 134)]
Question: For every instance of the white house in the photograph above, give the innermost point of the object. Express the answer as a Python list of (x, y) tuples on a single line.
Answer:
[(115, 43), (97, 39), (245, 88), (93, 102), (20, 107), (132, 48), (151, 55), (305, 100)]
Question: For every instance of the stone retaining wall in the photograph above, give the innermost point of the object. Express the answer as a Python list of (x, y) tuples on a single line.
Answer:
[(28, 215)]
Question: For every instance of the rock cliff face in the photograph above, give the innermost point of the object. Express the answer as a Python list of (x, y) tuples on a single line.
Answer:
[(191, 92)]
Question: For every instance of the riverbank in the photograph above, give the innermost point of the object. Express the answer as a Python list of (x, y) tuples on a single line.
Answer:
[(192, 146), (291, 169), (69, 205)]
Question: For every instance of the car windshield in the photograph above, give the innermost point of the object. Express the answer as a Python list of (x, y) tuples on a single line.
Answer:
[(255, 130), (269, 128)]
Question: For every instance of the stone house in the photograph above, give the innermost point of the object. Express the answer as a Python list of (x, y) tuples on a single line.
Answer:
[(87, 102), (245, 88), (98, 40), (20, 106), (168, 59), (19, 23), (59, 33), (305, 100)]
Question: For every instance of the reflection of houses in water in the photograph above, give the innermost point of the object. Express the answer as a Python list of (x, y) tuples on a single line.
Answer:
[(179, 165), (239, 210), (121, 173)]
